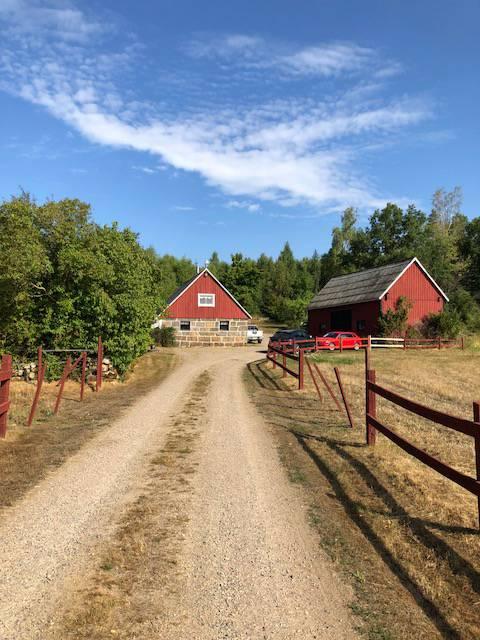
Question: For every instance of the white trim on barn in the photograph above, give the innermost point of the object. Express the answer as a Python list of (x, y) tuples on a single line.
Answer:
[(416, 261)]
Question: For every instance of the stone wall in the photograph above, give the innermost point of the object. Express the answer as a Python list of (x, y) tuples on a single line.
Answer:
[(206, 333)]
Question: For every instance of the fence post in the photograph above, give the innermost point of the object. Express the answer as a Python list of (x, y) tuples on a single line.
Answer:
[(99, 364), (476, 418), (274, 356), (327, 386), (6, 370), (368, 353), (301, 363), (284, 373), (371, 407), (36, 398), (84, 374), (313, 379), (439, 342), (405, 341), (463, 343), (344, 397), (63, 379), (341, 344), (39, 360)]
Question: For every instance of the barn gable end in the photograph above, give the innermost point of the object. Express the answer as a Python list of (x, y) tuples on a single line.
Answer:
[(204, 313), (184, 302)]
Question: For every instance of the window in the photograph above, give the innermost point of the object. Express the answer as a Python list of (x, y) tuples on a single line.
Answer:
[(206, 299), (361, 325), (184, 325), (224, 325)]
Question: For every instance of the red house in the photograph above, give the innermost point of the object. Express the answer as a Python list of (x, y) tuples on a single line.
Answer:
[(204, 313), (353, 302)]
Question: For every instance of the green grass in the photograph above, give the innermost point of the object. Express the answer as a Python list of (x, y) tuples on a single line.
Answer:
[(334, 357)]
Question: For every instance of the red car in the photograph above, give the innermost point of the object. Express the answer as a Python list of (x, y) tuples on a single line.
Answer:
[(331, 340)]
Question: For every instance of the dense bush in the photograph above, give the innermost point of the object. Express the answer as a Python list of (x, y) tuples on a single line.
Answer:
[(446, 324), (66, 280), (394, 323), (164, 336)]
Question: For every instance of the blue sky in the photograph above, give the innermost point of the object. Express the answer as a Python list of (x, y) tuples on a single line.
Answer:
[(235, 126)]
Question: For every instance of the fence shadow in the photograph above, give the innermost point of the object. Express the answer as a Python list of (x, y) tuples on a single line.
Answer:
[(421, 529), (262, 377), (351, 507)]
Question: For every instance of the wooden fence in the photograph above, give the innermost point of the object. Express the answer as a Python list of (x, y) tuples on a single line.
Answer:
[(468, 427), (288, 352), (5, 377), (375, 342), (370, 342)]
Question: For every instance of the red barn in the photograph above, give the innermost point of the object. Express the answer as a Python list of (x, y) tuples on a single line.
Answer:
[(204, 313), (353, 302)]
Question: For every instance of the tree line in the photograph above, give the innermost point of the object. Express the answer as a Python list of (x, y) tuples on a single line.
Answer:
[(64, 279)]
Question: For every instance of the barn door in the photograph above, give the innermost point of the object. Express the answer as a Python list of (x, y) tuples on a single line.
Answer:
[(341, 320)]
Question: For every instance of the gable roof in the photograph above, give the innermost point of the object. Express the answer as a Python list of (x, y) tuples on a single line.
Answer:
[(365, 286), (181, 290)]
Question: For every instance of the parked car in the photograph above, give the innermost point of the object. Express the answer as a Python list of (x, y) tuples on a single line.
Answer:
[(254, 334), (294, 335), (331, 340)]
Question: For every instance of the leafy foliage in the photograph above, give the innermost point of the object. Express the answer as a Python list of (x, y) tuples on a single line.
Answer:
[(446, 324), (394, 323), (164, 336), (66, 280)]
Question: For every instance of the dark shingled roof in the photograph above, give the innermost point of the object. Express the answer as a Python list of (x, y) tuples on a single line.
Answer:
[(361, 286), (181, 289)]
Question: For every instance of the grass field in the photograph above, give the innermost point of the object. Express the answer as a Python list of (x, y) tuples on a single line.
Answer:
[(406, 537)]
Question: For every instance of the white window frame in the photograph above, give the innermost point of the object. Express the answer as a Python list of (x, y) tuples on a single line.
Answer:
[(202, 295)]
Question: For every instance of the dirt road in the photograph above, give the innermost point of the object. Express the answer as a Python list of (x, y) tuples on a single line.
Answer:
[(250, 565)]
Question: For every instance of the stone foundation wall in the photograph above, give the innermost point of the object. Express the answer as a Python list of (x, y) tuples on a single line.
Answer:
[(206, 333)]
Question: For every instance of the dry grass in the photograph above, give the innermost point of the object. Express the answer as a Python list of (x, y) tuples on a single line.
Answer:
[(125, 595), (407, 538), (28, 453)]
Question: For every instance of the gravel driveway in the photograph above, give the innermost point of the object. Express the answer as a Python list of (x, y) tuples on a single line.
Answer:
[(251, 565)]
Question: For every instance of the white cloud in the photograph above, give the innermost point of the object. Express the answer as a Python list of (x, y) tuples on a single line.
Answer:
[(32, 16), (184, 208), (147, 170), (241, 204), (290, 151), (326, 59)]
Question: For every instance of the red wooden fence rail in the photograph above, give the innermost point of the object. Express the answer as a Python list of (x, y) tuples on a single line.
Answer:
[(41, 371), (287, 350), (99, 363), (69, 369), (5, 377), (327, 386), (61, 383), (344, 396), (468, 427)]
